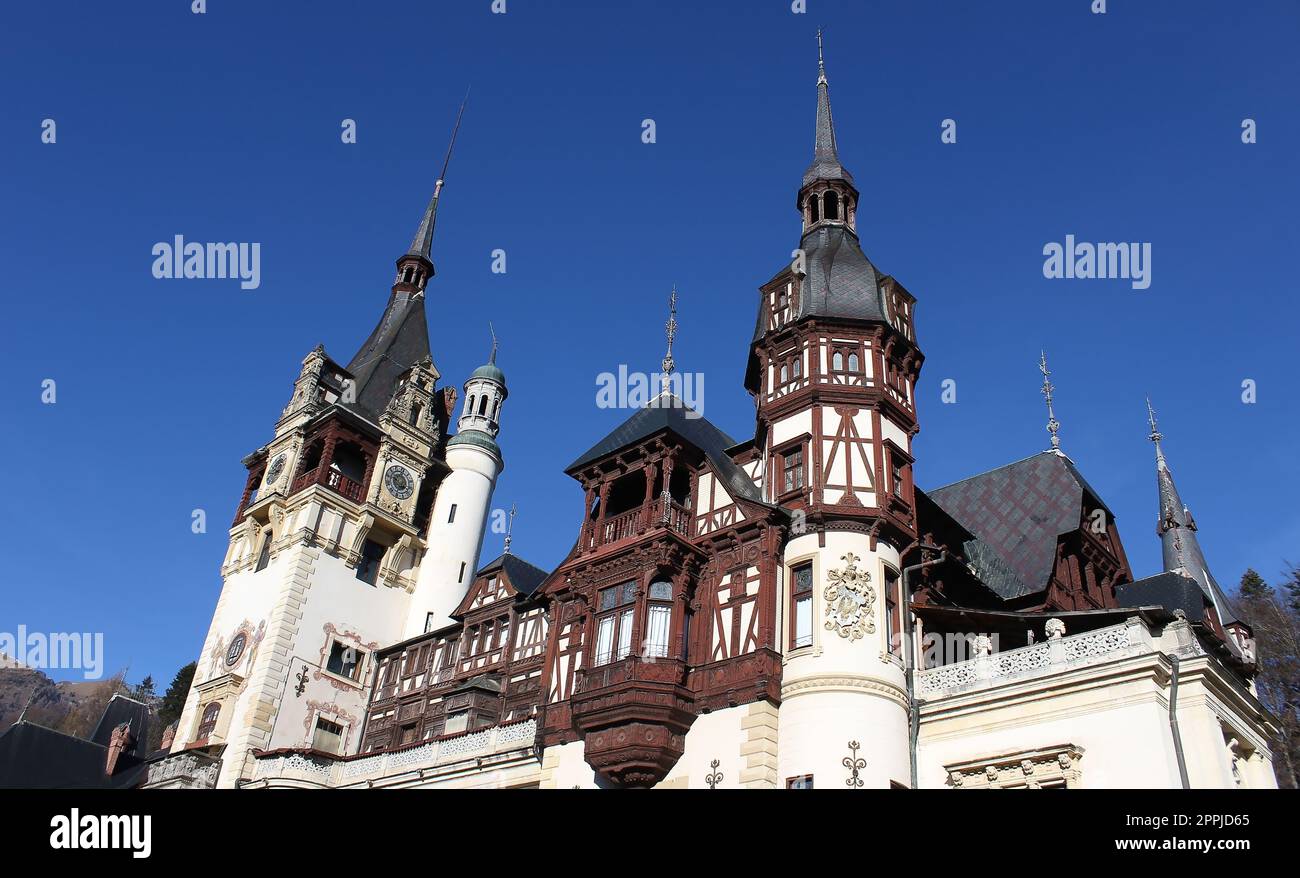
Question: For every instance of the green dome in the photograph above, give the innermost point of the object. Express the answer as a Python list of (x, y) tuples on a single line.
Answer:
[(490, 372)]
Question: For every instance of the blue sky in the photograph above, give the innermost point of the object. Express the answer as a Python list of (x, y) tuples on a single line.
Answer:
[(225, 127)]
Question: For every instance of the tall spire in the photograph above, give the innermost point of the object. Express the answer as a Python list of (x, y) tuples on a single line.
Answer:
[(826, 159), (668, 363), (1053, 425), (422, 243), (1180, 547)]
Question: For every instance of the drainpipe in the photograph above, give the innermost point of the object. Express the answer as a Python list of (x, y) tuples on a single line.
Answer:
[(1173, 721), (909, 657)]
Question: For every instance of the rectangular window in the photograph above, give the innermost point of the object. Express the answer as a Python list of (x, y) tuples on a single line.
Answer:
[(345, 661), (328, 737), (792, 469), (451, 517), (893, 629), (802, 782), (658, 620), (368, 565), (428, 622), (614, 627), (801, 595), (456, 723)]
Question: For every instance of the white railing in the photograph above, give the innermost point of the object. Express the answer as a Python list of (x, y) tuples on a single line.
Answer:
[(326, 771), (1040, 659)]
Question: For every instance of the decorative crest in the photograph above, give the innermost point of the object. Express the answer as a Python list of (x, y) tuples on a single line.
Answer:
[(1053, 425)]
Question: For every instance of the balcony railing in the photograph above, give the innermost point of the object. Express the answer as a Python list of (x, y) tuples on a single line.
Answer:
[(663, 513), (332, 479), (1040, 659)]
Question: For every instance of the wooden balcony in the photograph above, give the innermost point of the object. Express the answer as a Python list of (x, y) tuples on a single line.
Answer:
[(332, 479), (663, 514)]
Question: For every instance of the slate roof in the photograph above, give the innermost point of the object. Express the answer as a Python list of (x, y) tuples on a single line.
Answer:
[(398, 342), (668, 412), (1173, 591), (826, 159), (121, 709), (36, 758), (524, 577), (1016, 514)]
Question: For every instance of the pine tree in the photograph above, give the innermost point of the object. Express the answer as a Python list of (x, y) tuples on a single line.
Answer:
[(1253, 585), (173, 701)]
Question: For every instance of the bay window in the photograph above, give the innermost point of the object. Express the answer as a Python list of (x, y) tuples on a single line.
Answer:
[(614, 623)]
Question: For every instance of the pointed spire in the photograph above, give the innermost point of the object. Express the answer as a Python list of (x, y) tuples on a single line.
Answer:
[(493, 357), (668, 363), (422, 243), (510, 527), (1180, 546), (1053, 425), (826, 159)]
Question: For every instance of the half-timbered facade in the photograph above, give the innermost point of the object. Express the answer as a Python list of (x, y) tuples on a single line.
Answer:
[(788, 611)]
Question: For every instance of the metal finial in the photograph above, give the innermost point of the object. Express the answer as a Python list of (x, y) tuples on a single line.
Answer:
[(1053, 426), (493, 358), (671, 326), (1156, 435), (821, 62), (437, 187), (510, 527)]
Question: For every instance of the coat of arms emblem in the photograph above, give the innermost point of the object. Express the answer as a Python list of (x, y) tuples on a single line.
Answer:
[(849, 600)]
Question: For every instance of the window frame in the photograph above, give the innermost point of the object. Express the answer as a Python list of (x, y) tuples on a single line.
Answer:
[(796, 598), (620, 613)]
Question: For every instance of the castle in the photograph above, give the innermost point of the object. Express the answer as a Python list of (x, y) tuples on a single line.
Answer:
[(788, 611)]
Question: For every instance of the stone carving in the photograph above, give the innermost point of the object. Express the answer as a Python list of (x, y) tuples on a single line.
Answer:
[(983, 645), (1055, 629), (850, 600)]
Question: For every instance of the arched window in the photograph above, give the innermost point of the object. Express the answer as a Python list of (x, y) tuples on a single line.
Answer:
[(797, 369), (208, 724), (832, 205), (416, 411), (814, 206), (837, 362), (853, 363), (482, 405), (659, 617), (496, 411), (469, 406), (785, 373)]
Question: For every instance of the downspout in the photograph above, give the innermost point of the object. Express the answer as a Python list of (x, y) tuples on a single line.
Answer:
[(909, 658), (1173, 721)]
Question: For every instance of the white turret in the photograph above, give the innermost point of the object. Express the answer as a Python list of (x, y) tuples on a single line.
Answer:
[(460, 512)]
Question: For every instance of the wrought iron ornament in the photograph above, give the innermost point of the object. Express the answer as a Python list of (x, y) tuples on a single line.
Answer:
[(854, 764), (715, 777), (302, 682)]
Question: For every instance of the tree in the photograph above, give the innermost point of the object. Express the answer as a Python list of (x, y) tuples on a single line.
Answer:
[(1275, 620), (173, 700), (1253, 585)]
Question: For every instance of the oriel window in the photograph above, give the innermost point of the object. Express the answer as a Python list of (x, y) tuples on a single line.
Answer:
[(615, 607)]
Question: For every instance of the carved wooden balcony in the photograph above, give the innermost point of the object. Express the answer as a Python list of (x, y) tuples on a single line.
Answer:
[(332, 479), (640, 521), (633, 715)]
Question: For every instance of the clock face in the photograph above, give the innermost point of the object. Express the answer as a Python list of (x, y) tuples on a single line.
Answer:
[(273, 473), (399, 482)]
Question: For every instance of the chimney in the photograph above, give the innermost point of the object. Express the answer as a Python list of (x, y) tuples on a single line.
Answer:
[(169, 736), (121, 741)]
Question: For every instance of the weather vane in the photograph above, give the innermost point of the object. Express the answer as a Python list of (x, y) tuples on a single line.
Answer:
[(1053, 425)]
